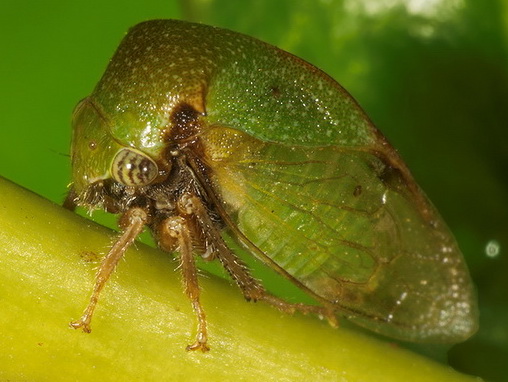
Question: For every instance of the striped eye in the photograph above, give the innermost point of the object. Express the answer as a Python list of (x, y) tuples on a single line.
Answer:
[(133, 168)]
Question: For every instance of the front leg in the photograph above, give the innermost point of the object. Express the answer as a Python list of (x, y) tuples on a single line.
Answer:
[(70, 200), (132, 223)]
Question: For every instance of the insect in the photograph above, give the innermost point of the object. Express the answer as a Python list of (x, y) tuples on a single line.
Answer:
[(202, 134)]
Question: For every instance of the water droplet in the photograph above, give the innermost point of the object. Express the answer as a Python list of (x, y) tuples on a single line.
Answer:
[(492, 249)]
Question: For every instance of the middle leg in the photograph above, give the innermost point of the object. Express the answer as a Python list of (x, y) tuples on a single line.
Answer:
[(175, 233), (191, 206)]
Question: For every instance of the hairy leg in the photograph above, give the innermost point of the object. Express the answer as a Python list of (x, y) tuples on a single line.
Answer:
[(251, 288), (176, 234), (132, 223)]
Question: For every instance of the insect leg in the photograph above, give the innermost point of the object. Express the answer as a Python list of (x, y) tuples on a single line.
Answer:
[(251, 288), (70, 200), (177, 228), (132, 222)]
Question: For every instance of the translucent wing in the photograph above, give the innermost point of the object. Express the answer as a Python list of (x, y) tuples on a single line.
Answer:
[(349, 227)]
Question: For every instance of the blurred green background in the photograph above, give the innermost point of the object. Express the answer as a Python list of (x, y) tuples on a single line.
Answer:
[(432, 74)]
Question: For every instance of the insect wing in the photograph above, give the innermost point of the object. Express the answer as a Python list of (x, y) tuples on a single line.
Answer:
[(345, 226)]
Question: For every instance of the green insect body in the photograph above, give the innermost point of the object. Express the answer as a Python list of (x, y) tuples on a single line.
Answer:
[(201, 133)]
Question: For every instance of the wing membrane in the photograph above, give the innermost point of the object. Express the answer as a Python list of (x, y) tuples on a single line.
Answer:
[(348, 227)]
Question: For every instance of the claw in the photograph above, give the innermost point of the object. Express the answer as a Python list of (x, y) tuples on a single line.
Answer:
[(85, 326), (198, 346)]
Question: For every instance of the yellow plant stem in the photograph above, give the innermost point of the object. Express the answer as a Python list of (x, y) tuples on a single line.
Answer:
[(144, 321)]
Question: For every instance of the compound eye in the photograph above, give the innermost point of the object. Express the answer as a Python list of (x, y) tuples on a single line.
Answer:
[(133, 168)]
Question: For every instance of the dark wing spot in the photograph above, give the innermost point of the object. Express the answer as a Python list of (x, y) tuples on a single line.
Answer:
[(396, 177), (391, 176)]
